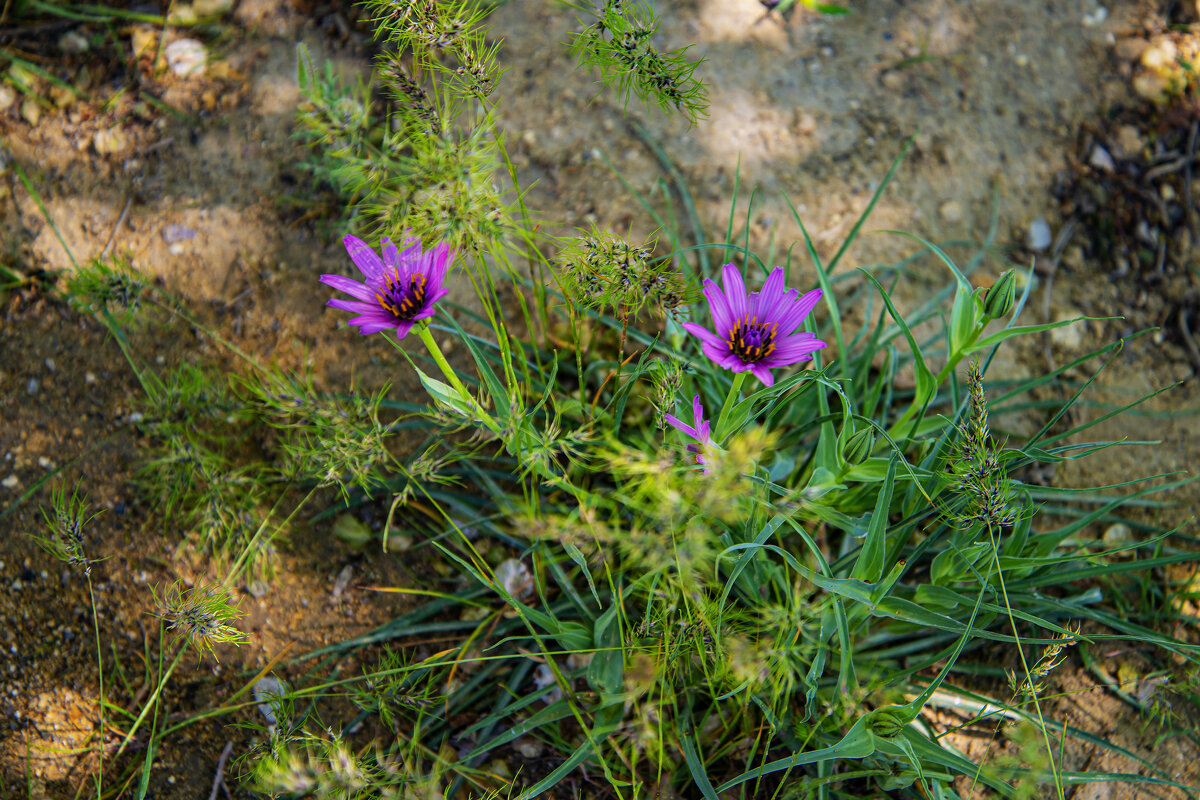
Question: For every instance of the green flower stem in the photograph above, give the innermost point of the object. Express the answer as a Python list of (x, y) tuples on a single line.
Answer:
[(153, 699), (435, 353), (731, 398)]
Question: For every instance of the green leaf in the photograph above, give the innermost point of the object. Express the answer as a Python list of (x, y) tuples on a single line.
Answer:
[(869, 566), (1008, 333), (445, 395), (926, 383), (857, 743)]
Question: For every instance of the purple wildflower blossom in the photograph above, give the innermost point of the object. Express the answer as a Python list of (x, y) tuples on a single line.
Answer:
[(400, 289), (701, 431), (756, 333)]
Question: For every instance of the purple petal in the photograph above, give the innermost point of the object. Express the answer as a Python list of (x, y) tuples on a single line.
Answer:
[(794, 316), (792, 349), (402, 329), (768, 299), (704, 335), (443, 256), (366, 328), (349, 286), (718, 307), (697, 410), (763, 374), (357, 306), (365, 258), (391, 256), (720, 355), (735, 291), (681, 426)]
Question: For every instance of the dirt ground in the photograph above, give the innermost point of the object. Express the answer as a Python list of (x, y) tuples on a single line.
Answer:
[(995, 93)]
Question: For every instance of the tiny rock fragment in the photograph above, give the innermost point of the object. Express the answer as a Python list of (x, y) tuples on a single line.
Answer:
[(1101, 159), (1118, 535), (211, 8), (73, 43), (31, 112), (177, 233), (186, 57), (61, 96), (1096, 17), (1068, 337), (11, 482), (951, 211), (142, 40), (514, 576), (1038, 237), (8, 96), (270, 694), (109, 141), (183, 14), (1129, 140), (342, 581)]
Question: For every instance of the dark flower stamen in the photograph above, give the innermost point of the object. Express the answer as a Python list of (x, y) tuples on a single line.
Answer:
[(401, 301), (750, 341)]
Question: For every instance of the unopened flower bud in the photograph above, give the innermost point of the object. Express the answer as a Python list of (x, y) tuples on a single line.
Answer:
[(999, 300), (859, 446)]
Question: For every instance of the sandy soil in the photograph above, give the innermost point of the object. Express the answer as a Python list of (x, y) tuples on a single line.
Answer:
[(813, 107)]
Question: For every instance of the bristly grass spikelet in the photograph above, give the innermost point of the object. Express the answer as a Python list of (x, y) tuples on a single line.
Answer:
[(1031, 685), (108, 285), (986, 495), (66, 527), (604, 271), (619, 42), (201, 615)]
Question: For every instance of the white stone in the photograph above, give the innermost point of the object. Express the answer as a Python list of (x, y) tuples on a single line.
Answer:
[(1039, 236), (186, 57)]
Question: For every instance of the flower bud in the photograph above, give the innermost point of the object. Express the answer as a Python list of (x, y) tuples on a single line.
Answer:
[(999, 300), (859, 446)]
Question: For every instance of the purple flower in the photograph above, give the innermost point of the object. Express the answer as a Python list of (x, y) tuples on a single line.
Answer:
[(700, 432), (399, 290), (756, 333)]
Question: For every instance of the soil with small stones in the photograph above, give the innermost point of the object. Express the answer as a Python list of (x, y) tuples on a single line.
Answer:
[(191, 178)]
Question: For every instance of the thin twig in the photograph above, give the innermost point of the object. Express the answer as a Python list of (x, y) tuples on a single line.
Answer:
[(1188, 340), (220, 776), (1169, 167), (117, 227)]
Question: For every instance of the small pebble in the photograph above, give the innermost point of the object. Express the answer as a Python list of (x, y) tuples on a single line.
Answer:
[(8, 96), (1039, 236), (32, 386), (45, 463), (89, 378), (269, 693), (177, 233), (1102, 160), (109, 140), (1096, 17), (1118, 535), (951, 211), (50, 364), (136, 417), (11, 482), (186, 57), (31, 112), (256, 589), (73, 43)]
